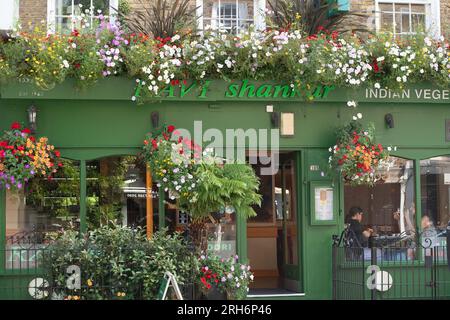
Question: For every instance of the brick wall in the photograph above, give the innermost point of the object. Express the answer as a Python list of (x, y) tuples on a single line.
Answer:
[(445, 17), (32, 12)]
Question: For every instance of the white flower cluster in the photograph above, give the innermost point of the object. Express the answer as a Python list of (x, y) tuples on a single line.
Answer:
[(438, 58), (403, 61), (160, 72), (350, 62)]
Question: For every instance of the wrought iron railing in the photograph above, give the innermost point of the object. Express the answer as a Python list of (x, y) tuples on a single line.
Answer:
[(405, 266)]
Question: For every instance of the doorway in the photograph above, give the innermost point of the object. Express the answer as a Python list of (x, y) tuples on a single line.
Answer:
[(272, 236)]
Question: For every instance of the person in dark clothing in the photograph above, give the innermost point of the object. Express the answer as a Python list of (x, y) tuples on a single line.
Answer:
[(358, 236)]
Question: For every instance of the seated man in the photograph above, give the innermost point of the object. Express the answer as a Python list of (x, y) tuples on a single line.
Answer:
[(357, 235)]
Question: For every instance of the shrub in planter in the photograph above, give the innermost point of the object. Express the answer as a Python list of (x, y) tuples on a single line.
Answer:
[(116, 263)]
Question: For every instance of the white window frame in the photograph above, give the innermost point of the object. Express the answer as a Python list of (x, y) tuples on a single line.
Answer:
[(259, 7), (9, 18), (51, 13), (432, 14)]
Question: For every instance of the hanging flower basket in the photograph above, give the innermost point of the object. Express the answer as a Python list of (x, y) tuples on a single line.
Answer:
[(171, 161), (356, 155), (23, 157)]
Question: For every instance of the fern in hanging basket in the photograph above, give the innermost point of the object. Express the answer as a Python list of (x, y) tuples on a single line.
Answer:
[(356, 155)]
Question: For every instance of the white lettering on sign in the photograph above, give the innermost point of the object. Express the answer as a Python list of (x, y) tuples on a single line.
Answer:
[(424, 94)]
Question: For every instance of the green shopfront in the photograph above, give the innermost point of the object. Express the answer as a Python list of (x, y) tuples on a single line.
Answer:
[(289, 244)]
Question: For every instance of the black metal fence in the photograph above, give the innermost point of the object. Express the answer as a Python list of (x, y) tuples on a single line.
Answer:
[(405, 267)]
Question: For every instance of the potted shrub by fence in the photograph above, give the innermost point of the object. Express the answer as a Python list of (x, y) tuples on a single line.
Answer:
[(116, 263)]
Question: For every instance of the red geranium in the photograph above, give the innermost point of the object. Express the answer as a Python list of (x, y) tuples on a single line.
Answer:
[(26, 130), (170, 129), (15, 126)]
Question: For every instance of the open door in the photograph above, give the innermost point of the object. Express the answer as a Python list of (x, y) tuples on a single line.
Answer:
[(272, 235)]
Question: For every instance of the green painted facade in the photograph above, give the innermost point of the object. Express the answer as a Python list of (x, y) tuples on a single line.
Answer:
[(103, 121)]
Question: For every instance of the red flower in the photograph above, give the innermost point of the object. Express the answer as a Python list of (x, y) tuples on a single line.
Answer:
[(376, 67), (75, 33), (154, 144), (26, 130), (15, 126), (3, 143), (170, 129), (57, 153)]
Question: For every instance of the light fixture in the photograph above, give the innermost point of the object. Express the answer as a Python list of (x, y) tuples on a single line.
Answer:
[(389, 119), (287, 124), (275, 119), (32, 117), (155, 119)]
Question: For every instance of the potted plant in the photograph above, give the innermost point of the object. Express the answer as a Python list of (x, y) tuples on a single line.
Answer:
[(222, 279)]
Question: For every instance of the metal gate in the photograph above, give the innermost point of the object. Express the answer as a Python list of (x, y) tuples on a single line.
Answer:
[(392, 267)]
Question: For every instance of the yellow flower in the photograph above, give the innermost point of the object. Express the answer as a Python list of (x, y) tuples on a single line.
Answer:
[(89, 283)]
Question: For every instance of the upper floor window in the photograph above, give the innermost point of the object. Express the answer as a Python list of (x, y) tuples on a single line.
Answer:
[(63, 16), (9, 14), (230, 15), (406, 17)]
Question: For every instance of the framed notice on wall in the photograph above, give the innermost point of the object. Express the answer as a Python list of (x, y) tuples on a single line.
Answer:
[(323, 203)]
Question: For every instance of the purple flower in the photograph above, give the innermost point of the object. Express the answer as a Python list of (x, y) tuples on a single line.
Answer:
[(27, 166), (19, 185), (32, 172)]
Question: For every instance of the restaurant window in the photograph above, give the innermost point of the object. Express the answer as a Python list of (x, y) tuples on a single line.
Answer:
[(117, 192), (405, 17), (389, 205), (230, 15), (435, 192), (65, 15), (34, 215)]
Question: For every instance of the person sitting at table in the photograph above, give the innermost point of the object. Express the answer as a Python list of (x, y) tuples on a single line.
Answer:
[(357, 234)]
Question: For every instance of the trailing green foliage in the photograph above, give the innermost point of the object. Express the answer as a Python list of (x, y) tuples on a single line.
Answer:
[(116, 263)]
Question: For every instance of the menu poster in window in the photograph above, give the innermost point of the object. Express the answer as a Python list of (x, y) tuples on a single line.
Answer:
[(323, 203)]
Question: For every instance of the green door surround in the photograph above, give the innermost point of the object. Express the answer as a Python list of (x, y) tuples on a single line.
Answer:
[(103, 121)]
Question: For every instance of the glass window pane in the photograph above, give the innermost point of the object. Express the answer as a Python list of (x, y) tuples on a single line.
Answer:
[(418, 8), (63, 7), (388, 206), (222, 234), (386, 22), (63, 25), (386, 7), (399, 23), (291, 255), (435, 188), (418, 22), (116, 191), (33, 215)]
